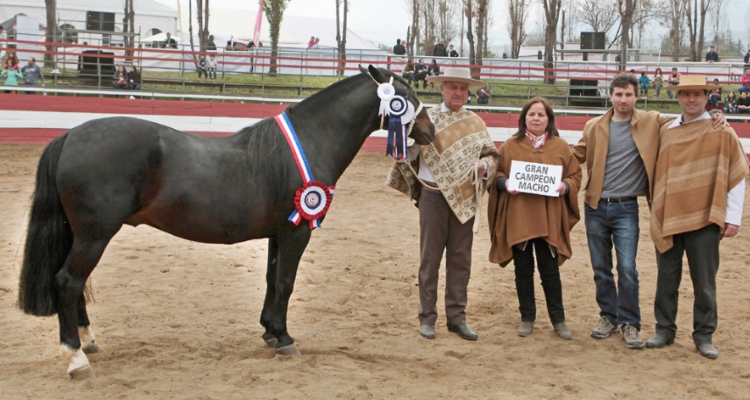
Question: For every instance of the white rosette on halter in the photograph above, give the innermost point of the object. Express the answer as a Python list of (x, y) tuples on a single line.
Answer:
[(386, 92)]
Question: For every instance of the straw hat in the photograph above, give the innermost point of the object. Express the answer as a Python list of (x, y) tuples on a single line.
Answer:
[(692, 82), (456, 75)]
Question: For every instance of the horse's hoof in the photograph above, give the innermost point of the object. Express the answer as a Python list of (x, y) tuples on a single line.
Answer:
[(91, 349), (271, 342), (82, 373), (288, 350)]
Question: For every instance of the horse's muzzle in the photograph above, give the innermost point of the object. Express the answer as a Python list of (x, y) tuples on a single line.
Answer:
[(423, 131)]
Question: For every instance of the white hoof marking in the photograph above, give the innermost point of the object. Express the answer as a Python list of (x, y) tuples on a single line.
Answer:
[(77, 361), (88, 340)]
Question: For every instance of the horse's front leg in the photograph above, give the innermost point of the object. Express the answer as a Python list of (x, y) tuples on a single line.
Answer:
[(267, 314), (291, 247), (85, 334)]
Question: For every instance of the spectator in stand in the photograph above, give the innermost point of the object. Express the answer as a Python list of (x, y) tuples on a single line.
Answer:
[(730, 104), (408, 72), (452, 52), (11, 74), (202, 66), (311, 42), (33, 75), (658, 81), (13, 57), (316, 45), (420, 74), (399, 48), (211, 46), (211, 66), (433, 70), (439, 50), (230, 44), (120, 78), (644, 83), (743, 104), (712, 56), (134, 78), (483, 95), (744, 82), (169, 42), (673, 80), (714, 96), (747, 60)]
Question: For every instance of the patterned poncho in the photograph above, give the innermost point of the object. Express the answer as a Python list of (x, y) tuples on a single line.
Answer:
[(461, 139), (697, 166)]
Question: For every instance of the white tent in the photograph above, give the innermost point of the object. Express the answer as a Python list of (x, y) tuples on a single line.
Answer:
[(149, 14)]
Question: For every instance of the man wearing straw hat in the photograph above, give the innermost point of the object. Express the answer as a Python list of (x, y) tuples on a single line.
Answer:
[(442, 184), (698, 193)]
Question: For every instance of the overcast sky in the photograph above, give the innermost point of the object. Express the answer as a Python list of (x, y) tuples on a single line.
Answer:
[(382, 21)]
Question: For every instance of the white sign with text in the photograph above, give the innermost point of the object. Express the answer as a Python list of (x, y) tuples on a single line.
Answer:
[(528, 177)]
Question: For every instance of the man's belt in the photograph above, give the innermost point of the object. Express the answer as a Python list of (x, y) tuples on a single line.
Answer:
[(609, 200)]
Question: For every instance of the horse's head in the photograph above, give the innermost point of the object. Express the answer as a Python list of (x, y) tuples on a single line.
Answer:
[(422, 129)]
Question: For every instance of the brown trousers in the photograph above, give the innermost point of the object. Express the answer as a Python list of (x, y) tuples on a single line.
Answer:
[(440, 230)]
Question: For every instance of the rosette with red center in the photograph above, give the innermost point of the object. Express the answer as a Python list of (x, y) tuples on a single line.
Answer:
[(312, 200)]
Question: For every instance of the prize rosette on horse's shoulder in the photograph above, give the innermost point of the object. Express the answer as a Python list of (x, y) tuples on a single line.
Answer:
[(312, 200)]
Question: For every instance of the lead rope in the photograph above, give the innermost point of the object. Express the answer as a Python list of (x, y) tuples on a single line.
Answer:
[(478, 189)]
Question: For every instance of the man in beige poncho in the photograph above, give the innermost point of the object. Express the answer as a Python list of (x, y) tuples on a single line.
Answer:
[(698, 193), (447, 200)]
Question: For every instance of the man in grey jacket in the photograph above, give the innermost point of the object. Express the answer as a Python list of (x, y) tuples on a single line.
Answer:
[(32, 74)]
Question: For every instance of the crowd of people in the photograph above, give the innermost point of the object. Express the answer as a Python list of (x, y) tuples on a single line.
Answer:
[(627, 154)]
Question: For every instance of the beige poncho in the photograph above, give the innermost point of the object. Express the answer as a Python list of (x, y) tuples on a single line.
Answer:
[(461, 139), (696, 167)]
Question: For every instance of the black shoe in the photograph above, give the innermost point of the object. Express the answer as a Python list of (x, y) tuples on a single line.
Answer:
[(427, 331), (463, 331)]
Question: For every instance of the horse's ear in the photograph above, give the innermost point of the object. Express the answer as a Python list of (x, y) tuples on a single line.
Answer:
[(363, 69), (376, 74)]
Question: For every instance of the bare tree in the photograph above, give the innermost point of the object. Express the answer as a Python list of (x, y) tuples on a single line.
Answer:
[(696, 19), (626, 9), (518, 12), (481, 28), (341, 39), (274, 10), (469, 14), (644, 13), (676, 11), (447, 11), (51, 6), (552, 16), (600, 15), (202, 14), (718, 18), (412, 37), (128, 26)]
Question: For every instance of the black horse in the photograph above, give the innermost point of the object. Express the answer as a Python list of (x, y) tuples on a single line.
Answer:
[(114, 171)]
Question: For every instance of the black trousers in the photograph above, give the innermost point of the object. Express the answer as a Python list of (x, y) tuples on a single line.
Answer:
[(702, 249), (549, 271)]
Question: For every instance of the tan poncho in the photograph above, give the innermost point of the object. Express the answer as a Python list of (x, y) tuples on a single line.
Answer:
[(516, 219), (461, 139), (696, 167)]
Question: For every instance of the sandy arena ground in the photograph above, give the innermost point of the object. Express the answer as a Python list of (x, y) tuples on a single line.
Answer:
[(177, 319)]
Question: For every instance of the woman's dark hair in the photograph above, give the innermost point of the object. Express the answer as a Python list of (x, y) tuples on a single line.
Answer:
[(731, 95), (551, 128), (658, 71)]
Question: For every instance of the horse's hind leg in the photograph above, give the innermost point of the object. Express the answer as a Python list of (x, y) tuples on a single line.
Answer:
[(267, 314), (85, 334), (291, 247), (69, 284)]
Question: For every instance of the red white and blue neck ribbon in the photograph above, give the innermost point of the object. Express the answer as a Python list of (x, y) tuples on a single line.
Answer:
[(313, 199)]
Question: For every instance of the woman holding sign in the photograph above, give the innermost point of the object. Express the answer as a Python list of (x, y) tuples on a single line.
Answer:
[(532, 208)]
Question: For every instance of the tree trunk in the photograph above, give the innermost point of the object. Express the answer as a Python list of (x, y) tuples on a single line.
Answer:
[(626, 15), (468, 10), (274, 10), (51, 6), (341, 39), (128, 26), (551, 14)]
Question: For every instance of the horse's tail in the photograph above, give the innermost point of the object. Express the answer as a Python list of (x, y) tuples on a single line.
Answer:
[(48, 238)]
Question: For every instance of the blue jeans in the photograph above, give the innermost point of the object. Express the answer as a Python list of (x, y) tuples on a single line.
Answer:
[(617, 223)]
